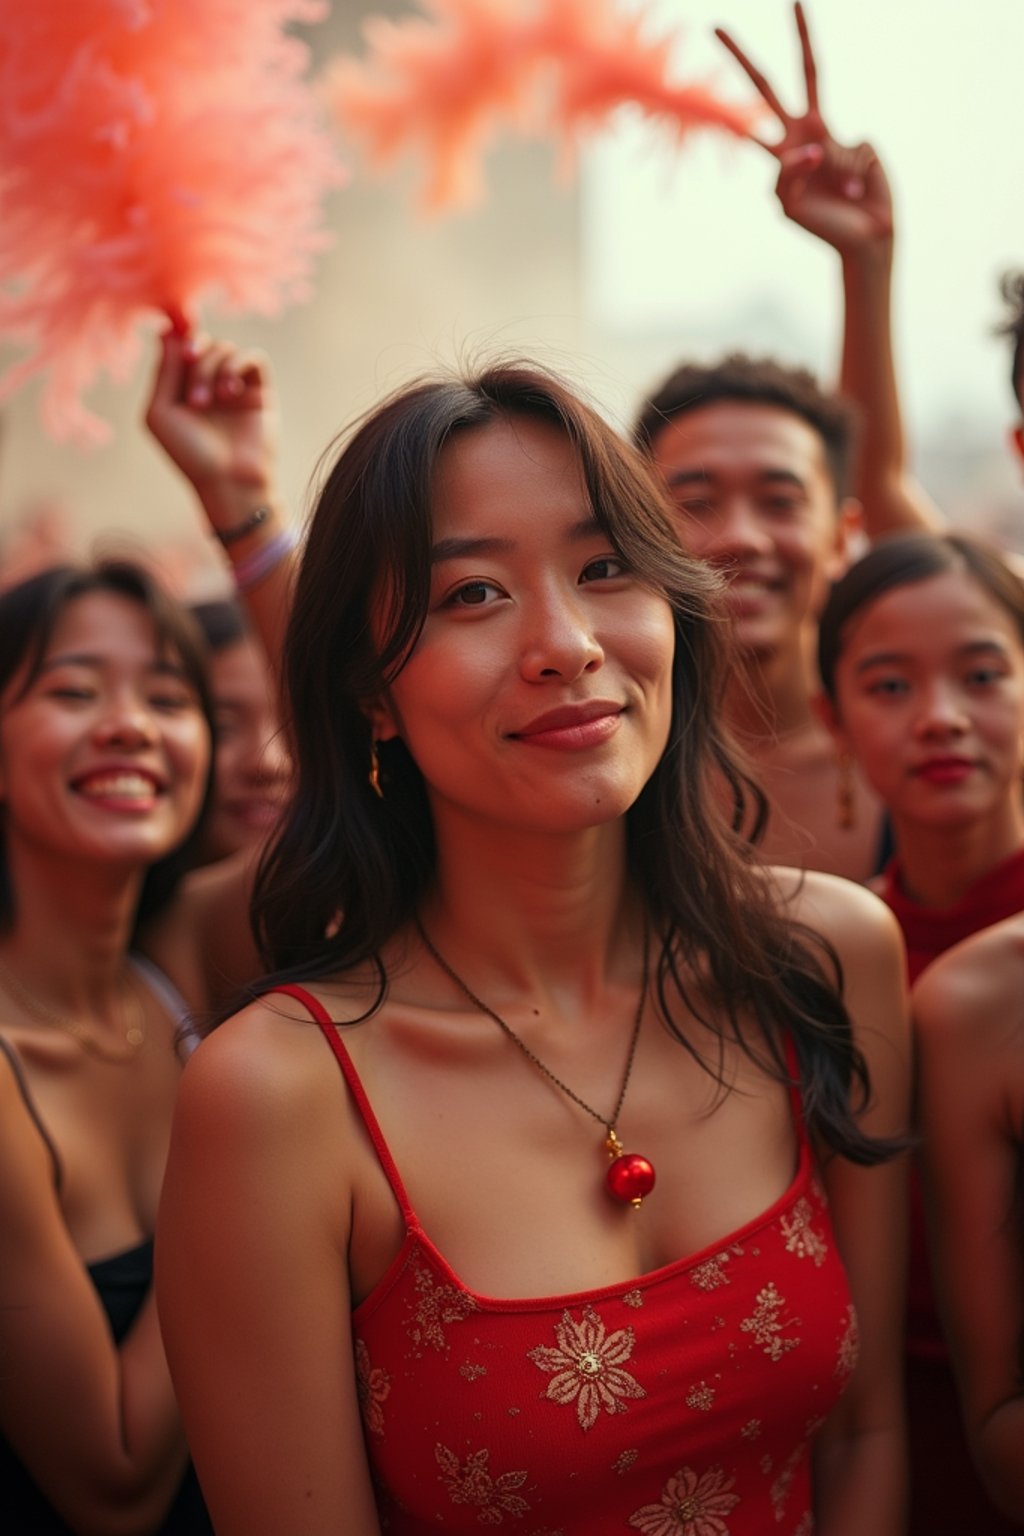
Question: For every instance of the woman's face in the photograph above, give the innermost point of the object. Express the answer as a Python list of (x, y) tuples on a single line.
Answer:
[(251, 764), (539, 693), (930, 699), (104, 756)]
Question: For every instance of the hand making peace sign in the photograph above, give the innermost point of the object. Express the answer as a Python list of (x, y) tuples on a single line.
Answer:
[(835, 191)]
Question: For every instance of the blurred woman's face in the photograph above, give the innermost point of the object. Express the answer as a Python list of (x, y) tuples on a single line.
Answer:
[(538, 695), (251, 764), (930, 698), (104, 756)]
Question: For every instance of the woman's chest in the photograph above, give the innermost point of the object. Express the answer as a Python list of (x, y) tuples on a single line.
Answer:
[(110, 1127), (697, 1389), (508, 1175)]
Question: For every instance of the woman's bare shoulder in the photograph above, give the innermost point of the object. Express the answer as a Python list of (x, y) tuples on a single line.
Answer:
[(976, 989), (855, 921), (262, 1061)]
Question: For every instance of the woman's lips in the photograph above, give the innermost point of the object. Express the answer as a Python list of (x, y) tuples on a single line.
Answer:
[(258, 814), (129, 790), (945, 770), (572, 729)]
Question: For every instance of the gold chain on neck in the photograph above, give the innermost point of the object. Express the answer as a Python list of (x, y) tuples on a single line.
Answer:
[(134, 1023)]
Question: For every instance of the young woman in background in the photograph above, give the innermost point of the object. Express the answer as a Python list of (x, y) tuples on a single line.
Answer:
[(922, 660)]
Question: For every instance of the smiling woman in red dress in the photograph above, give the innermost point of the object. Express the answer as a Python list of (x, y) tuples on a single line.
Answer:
[(550, 1185)]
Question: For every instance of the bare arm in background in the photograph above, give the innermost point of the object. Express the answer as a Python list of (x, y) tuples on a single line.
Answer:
[(212, 409)]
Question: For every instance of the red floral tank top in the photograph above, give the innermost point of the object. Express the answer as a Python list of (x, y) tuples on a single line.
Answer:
[(682, 1403)]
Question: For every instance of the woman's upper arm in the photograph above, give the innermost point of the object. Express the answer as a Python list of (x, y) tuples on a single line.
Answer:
[(971, 1052), (253, 1285), (869, 1204), (96, 1427), (860, 1460)]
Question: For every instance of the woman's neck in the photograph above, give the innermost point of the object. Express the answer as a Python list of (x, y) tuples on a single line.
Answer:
[(938, 865), (538, 913), (72, 927)]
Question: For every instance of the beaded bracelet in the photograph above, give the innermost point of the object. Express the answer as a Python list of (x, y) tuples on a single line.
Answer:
[(250, 571), (257, 517)]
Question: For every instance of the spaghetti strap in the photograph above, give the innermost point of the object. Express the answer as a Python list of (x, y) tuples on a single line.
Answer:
[(331, 1033), (30, 1105)]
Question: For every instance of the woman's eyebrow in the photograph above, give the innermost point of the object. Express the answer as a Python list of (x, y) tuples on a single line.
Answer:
[(896, 658), (464, 548), (461, 549), (161, 664)]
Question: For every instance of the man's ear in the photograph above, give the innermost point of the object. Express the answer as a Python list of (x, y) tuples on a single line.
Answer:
[(851, 540)]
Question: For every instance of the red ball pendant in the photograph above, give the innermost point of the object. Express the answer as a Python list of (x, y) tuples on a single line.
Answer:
[(629, 1178)]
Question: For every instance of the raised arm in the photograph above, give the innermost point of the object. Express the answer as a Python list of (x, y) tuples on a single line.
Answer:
[(212, 410), (252, 1278), (94, 1423), (971, 1054), (840, 194), (860, 1459)]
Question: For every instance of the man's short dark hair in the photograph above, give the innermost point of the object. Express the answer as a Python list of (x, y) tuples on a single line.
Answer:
[(1012, 288), (755, 381)]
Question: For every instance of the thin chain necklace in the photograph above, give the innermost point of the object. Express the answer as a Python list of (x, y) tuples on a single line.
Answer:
[(134, 1028), (629, 1176)]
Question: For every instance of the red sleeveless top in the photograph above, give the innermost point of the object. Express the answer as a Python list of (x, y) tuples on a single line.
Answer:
[(682, 1403), (956, 1502)]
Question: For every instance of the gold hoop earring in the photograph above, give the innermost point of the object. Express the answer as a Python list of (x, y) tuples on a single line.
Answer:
[(846, 804), (374, 774)]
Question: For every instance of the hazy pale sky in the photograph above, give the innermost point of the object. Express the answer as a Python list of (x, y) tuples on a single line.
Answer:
[(694, 241)]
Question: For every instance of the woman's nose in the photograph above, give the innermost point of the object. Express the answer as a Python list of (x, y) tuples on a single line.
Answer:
[(127, 722), (560, 641), (942, 712)]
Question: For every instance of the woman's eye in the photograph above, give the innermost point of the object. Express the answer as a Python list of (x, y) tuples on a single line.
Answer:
[(605, 569), (171, 701), (473, 594), (67, 691), (226, 722), (983, 677), (888, 687)]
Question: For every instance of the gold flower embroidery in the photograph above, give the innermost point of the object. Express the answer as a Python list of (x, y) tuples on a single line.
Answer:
[(711, 1274), (690, 1506), (751, 1429), (766, 1325), (801, 1237), (702, 1397), (472, 1372), (492, 1497), (435, 1306), (806, 1526), (634, 1298), (587, 1367), (623, 1462), (373, 1385), (849, 1347)]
